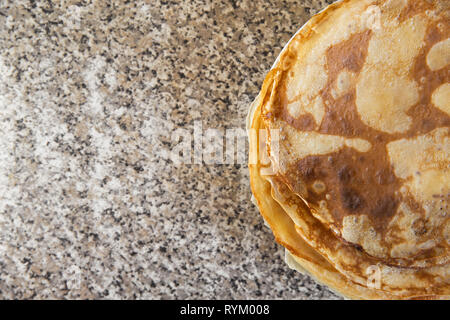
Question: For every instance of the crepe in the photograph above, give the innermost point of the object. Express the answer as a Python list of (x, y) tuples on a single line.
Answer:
[(350, 153)]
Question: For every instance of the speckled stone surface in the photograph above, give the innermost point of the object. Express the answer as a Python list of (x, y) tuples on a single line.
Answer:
[(90, 95)]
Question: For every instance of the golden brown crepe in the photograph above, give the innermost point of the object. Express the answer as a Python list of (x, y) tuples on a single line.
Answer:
[(352, 167)]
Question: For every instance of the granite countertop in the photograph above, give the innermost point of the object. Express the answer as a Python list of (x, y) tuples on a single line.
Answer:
[(94, 99)]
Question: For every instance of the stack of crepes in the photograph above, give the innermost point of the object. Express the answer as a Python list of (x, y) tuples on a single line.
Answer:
[(350, 150)]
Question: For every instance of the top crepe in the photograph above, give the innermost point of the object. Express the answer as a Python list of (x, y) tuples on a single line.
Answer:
[(357, 110)]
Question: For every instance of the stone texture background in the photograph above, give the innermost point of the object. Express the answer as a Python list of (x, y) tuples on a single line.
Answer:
[(90, 94)]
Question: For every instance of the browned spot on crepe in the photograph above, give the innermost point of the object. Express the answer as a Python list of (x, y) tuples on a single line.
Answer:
[(413, 8), (350, 55), (426, 116)]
